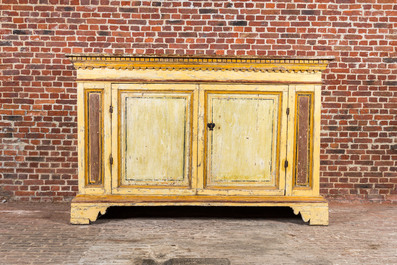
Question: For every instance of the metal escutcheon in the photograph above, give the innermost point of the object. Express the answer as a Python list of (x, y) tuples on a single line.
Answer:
[(211, 126)]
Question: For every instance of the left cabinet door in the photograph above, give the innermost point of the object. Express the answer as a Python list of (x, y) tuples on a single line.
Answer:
[(153, 139)]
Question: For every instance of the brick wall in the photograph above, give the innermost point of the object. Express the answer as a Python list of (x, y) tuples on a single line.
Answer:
[(38, 154)]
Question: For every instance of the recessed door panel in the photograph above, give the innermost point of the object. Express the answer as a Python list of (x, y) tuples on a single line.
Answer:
[(242, 147), (244, 136), (243, 143), (155, 139), (155, 129)]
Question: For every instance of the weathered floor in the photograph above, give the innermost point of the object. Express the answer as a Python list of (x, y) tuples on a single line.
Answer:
[(40, 234)]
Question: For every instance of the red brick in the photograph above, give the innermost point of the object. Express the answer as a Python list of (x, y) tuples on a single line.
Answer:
[(38, 95)]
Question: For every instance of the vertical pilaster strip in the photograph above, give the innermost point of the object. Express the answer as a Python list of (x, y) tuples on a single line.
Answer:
[(303, 157), (94, 143)]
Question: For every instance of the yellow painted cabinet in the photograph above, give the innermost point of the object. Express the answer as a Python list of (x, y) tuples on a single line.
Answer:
[(202, 132)]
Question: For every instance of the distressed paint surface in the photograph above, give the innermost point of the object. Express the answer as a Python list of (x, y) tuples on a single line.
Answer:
[(242, 146), (303, 141), (164, 183), (155, 139), (95, 138), (85, 209)]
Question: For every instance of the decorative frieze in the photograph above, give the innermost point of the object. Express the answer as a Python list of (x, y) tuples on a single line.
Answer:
[(170, 63)]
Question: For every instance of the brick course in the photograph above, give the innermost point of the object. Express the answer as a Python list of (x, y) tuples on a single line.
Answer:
[(38, 134)]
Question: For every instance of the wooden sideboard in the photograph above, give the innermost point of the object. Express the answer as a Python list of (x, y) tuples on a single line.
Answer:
[(198, 131)]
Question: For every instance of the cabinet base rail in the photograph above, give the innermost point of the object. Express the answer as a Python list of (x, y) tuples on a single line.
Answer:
[(86, 208)]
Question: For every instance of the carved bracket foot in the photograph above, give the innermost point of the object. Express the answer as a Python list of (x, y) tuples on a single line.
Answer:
[(316, 214), (82, 213)]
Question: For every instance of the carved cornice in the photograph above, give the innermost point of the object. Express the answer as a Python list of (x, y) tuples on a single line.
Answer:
[(169, 63)]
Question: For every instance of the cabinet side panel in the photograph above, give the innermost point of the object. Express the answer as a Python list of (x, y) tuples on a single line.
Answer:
[(303, 140), (94, 136)]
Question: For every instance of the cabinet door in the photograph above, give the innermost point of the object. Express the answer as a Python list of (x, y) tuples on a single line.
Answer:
[(244, 139), (155, 130)]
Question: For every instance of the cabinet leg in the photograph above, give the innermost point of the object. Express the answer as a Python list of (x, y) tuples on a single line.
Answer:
[(315, 214), (82, 213)]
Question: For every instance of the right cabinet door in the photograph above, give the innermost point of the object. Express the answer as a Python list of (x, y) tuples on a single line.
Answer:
[(243, 139)]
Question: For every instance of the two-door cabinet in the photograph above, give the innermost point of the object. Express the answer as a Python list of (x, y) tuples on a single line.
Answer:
[(198, 131)]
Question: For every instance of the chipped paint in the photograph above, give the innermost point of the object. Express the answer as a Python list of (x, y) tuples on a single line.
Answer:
[(164, 153)]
